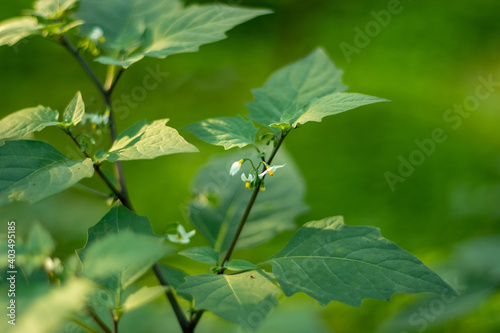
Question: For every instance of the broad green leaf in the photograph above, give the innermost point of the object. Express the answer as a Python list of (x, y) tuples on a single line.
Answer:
[(187, 30), (17, 28), (304, 91), (233, 297), (294, 86), (33, 170), (45, 313), (74, 111), (331, 261), (227, 132), (143, 296), (146, 141), (134, 28), (203, 254), (26, 121), (116, 261), (329, 105), (117, 220), (51, 9), (240, 265), (175, 278), (220, 200), (38, 246)]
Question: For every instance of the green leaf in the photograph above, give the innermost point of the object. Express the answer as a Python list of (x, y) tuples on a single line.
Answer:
[(330, 105), (233, 297), (331, 261), (240, 265), (143, 296), (175, 278), (33, 170), (118, 260), (117, 220), (17, 28), (147, 141), (158, 28), (39, 245), (203, 254), (227, 132), (51, 9), (46, 312), (26, 121), (74, 111), (220, 200), (304, 91)]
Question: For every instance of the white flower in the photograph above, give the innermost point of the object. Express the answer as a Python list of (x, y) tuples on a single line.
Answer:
[(235, 167), (248, 179), (52, 265), (181, 236), (270, 170), (97, 35)]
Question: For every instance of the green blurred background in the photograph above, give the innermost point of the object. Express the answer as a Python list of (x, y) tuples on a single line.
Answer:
[(426, 60)]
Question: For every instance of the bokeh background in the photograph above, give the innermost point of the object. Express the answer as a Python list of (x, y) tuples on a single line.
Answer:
[(425, 60)]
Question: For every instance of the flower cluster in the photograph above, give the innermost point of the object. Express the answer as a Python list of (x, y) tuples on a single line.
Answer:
[(251, 180)]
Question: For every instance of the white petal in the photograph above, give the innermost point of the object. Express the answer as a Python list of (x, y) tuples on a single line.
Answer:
[(191, 234), (243, 177), (181, 230), (174, 238), (262, 174), (235, 168)]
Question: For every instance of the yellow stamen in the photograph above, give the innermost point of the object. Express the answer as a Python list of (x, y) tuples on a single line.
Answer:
[(102, 39), (271, 172), (247, 184)]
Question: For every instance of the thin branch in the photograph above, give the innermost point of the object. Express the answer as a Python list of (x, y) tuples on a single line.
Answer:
[(91, 190), (122, 192), (197, 316), (82, 325), (98, 320), (249, 206), (117, 77), (171, 297), (65, 41)]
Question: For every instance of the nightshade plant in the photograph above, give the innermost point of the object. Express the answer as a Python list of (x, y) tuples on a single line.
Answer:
[(260, 197)]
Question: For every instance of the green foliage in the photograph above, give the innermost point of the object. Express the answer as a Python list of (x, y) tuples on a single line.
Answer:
[(176, 278), (26, 121), (45, 312), (220, 200), (203, 254), (74, 111), (331, 261), (304, 91), (233, 297), (33, 170), (240, 265), (146, 141), (134, 29), (52, 9), (117, 220), (17, 28), (143, 296), (117, 260), (227, 132)]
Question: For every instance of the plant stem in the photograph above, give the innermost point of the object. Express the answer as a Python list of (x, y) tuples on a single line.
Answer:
[(98, 320), (122, 192), (249, 206), (66, 43), (91, 190), (197, 316), (82, 325)]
